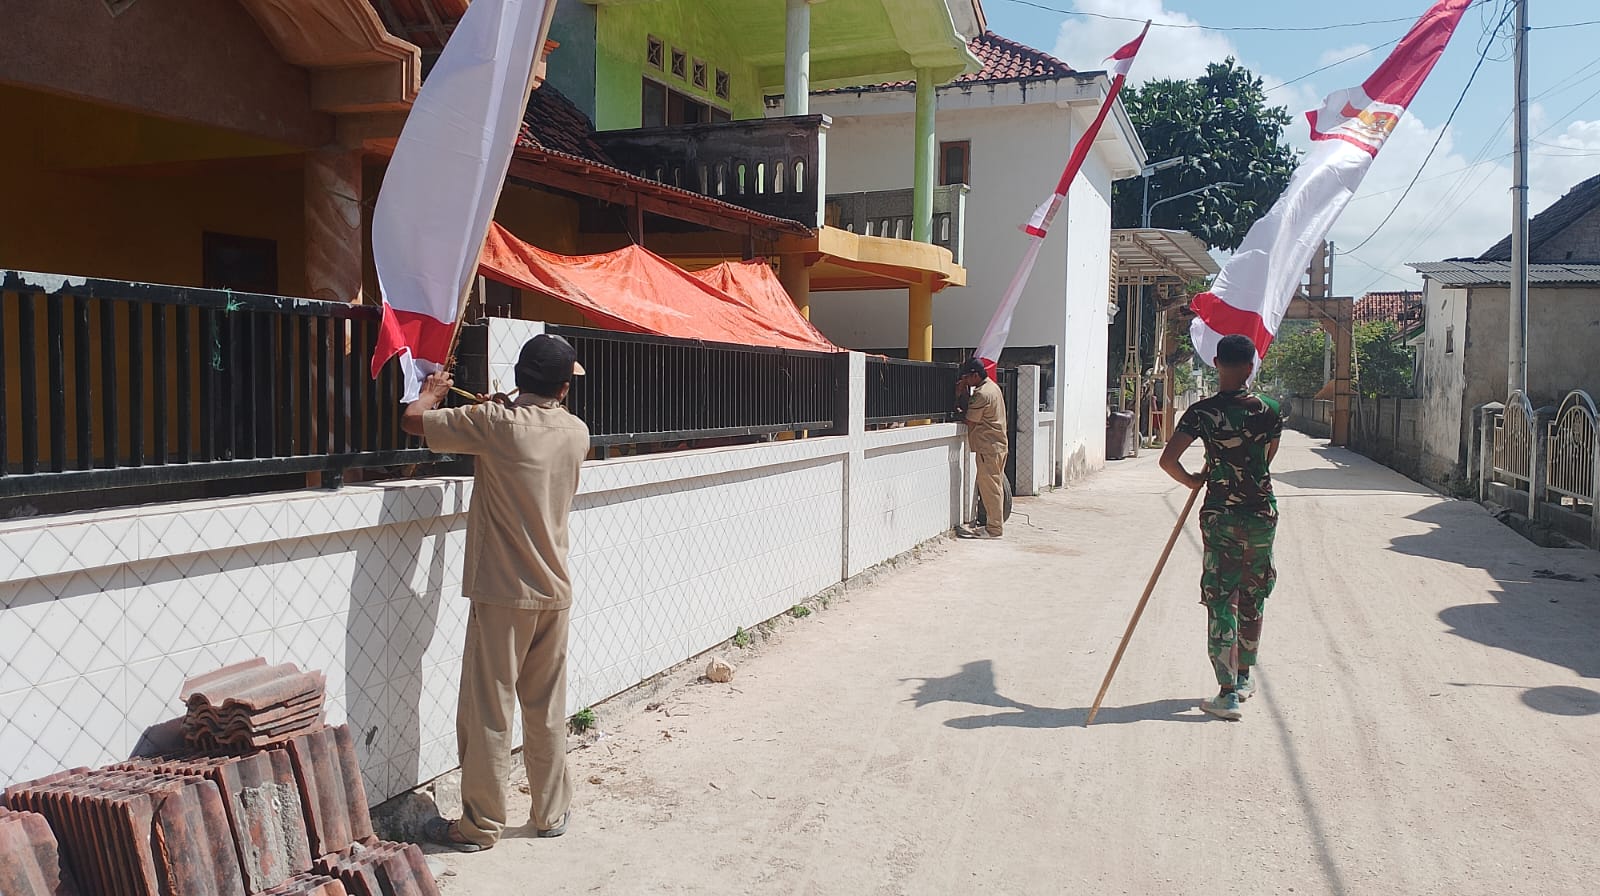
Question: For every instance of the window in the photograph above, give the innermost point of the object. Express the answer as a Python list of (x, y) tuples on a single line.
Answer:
[(700, 74), (724, 85), (955, 163), (239, 263), (661, 106), (655, 53), (680, 64), (1450, 339)]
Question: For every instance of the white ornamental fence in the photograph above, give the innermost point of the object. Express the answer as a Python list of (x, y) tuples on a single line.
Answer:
[(1545, 464)]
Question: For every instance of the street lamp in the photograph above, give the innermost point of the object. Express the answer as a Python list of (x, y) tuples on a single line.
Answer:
[(1151, 208), (1144, 208)]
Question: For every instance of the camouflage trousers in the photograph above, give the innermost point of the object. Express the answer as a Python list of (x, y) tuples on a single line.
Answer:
[(1237, 578)]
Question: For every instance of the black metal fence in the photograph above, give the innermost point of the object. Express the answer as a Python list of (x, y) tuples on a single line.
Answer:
[(109, 384), (899, 390), (652, 389)]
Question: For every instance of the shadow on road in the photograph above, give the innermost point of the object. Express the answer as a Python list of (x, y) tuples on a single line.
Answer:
[(1545, 606), (975, 685), (1348, 472)]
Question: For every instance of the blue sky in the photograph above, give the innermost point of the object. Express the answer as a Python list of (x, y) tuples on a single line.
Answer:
[(1462, 203)]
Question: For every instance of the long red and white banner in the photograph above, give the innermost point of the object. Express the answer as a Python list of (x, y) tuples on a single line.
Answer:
[(1038, 226), (444, 180), (1252, 294)]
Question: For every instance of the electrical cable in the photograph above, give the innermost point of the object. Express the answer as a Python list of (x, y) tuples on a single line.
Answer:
[(1445, 129), (1272, 28)]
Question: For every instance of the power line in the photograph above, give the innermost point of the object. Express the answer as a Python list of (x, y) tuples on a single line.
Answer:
[(1319, 71), (1445, 129), (1199, 27), (1567, 25)]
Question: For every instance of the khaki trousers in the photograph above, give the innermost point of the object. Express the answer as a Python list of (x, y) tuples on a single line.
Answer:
[(992, 490), (512, 656)]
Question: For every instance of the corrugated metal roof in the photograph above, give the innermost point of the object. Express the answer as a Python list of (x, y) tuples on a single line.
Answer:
[(1498, 273), (1172, 255)]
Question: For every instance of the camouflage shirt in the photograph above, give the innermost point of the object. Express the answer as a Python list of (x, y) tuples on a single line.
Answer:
[(1236, 428)]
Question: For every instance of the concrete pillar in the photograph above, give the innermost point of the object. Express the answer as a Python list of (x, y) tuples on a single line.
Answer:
[(795, 275), (926, 155), (1029, 443), (333, 225), (919, 323), (797, 58)]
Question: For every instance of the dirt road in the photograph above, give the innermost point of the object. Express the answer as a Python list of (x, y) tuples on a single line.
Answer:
[(1427, 721)]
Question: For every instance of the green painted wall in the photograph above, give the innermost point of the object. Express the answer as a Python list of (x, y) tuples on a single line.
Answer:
[(621, 36), (572, 66)]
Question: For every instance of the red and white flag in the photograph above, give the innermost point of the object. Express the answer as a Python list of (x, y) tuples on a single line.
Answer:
[(1255, 287), (1038, 226), (444, 180)]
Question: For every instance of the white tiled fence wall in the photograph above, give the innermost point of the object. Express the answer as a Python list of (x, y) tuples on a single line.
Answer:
[(102, 615)]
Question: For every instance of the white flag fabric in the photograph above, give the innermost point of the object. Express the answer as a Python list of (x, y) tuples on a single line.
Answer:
[(1252, 294), (998, 332), (444, 180)]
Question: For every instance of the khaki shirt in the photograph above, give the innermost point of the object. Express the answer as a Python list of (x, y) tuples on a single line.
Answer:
[(528, 458), (986, 411)]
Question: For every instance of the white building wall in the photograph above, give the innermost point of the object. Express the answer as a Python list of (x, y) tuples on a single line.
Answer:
[(1019, 142), (103, 615)]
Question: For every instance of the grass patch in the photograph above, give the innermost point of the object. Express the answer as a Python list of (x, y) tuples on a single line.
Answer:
[(799, 611), (741, 638), (581, 721)]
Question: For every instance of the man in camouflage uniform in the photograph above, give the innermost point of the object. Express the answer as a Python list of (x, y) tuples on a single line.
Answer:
[(1238, 519)]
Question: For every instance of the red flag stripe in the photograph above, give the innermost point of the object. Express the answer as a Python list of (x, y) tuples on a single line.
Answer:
[(1227, 320), (428, 337)]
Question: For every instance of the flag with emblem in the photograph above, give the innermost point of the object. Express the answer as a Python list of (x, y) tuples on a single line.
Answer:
[(1252, 294)]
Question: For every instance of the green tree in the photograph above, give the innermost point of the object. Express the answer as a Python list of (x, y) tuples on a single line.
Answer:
[(1384, 363), (1221, 122), (1293, 366)]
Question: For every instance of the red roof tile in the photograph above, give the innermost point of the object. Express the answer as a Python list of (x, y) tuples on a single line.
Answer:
[(1004, 60), (1385, 305)]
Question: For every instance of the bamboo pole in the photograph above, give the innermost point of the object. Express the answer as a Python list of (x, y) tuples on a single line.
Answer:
[(1138, 611)]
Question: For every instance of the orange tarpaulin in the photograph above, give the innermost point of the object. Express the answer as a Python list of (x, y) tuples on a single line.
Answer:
[(637, 291)]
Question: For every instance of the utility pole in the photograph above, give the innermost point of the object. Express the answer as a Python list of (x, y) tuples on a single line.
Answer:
[(1517, 357)]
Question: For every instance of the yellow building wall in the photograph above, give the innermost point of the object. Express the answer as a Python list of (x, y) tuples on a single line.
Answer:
[(99, 192)]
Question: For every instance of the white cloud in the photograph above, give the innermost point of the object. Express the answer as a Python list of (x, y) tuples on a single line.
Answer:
[(1329, 57), (1084, 43), (1461, 205)]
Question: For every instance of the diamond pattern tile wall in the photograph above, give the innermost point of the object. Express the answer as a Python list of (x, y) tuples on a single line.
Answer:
[(670, 555)]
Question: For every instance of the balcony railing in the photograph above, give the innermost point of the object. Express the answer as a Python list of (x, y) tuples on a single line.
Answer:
[(108, 384), (887, 213), (773, 165)]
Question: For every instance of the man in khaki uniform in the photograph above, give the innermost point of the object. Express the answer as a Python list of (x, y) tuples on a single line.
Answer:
[(986, 437), (528, 452)]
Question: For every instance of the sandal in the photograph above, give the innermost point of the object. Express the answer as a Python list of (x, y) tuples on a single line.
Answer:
[(447, 833), (557, 830)]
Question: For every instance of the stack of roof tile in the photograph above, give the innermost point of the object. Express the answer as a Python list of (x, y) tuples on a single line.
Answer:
[(309, 885), (251, 704), (382, 869), (331, 789), (137, 833), (30, 857), (265, 816)]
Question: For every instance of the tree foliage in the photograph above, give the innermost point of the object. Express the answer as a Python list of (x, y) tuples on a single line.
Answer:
[(1293, 366), (1221, 122), (1384, 364)]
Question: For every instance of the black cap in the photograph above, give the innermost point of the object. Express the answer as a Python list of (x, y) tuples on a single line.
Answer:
[(973, 366), (547, 359)]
